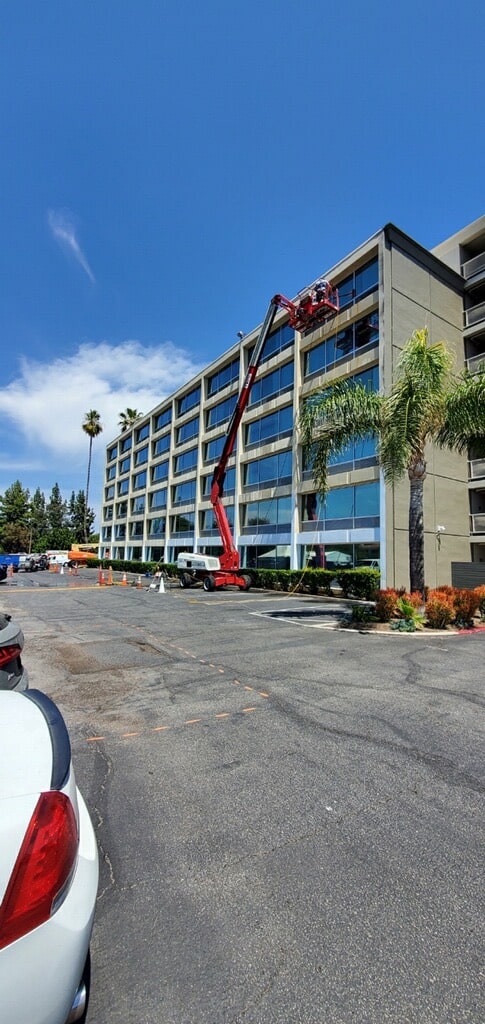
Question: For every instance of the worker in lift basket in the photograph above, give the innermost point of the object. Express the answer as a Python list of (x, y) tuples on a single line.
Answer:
[(322, 287)]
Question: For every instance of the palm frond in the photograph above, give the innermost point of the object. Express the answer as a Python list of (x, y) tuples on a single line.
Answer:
[(329, 419)]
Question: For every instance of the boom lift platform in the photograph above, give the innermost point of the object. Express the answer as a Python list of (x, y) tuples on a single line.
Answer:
[(308, 312)]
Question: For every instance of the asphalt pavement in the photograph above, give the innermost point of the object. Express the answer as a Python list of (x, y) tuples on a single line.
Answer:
[(290, 816)]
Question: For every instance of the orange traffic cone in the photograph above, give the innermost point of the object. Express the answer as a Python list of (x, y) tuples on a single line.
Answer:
[(100, 577), (110, 576), (124, 581), (139, 584)]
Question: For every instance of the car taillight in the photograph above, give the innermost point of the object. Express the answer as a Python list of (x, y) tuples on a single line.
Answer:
[(9, 652), (43, 869)]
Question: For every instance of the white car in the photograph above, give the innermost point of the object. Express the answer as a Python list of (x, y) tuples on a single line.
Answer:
[(48, 867)]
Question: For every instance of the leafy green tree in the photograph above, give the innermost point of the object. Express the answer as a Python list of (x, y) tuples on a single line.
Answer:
[(15, 537), (93, 428), (56, 511), (14, 511), (80, 517), (39, 523), (128, 418), (426, 404)]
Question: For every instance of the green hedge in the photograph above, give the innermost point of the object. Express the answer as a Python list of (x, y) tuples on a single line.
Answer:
[(359, 583)]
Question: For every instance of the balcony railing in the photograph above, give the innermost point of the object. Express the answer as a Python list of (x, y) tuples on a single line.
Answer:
[(474, 266), (477, 469), (475, 314), (477, 523), (475, 362)]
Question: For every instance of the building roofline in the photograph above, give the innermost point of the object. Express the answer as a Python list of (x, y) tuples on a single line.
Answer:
[(394, 236)]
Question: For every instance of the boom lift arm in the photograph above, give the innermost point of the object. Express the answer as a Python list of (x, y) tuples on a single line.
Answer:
[(313, 309)]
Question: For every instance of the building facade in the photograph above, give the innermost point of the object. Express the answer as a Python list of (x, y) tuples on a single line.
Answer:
[(156, 495)]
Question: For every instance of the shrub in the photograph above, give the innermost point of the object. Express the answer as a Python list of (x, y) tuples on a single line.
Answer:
[(481, 598), (439, 609), (466, 604), (404, 625), (386, 604), (361, 583), (361, 613), (409, 611)]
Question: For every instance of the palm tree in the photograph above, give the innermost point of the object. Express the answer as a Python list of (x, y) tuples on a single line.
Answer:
[(128, 418), (426, 404), (92, 427)]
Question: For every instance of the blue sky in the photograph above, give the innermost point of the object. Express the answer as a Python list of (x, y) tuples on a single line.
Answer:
[(166, 168)]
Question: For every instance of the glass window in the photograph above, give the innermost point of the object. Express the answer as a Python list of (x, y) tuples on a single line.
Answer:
[(183, 523), (156, 526), (189, 401), (208, 520), (158, 499), (109, 492), (367, 499), (274, 511), (339, 503), (111, 473), (278, 340), (276, 424), (229, 482), (358, 284), (221, 412), (125, 464), (125, 443), (344, 343), (139, 480), (355, 503), (272, 384), (183, 492), (142, 432), (185, 461), (163, 419), (123, 486), (274, 468), (188, 430), (162, 445), (121, 509), (112, 453), (160, 472), (355, 451), (136, 529), (346, 292), (138, 504), (213, 449), (366, 279), (141, 456), (223, 377)]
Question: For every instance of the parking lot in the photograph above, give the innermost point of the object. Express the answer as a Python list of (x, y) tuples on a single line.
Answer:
[(289, 815)]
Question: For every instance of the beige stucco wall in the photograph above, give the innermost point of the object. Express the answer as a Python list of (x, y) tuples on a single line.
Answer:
[(418, 298)]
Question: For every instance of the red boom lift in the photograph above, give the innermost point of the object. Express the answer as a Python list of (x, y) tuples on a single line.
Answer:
[(305, 315)]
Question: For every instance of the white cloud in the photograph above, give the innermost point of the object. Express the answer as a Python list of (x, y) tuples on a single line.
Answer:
[(46, 405), (61, 223)]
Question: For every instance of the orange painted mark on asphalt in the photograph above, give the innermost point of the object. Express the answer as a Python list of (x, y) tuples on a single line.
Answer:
[(92, 739), (249, 687), (125, 735), (192, 721), (160, 728), (236, 682), (221, 670), (249, 709), (262, 694), (224, 714)]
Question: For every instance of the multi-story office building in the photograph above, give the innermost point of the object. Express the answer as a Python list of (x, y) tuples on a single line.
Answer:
[(156, 497)]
